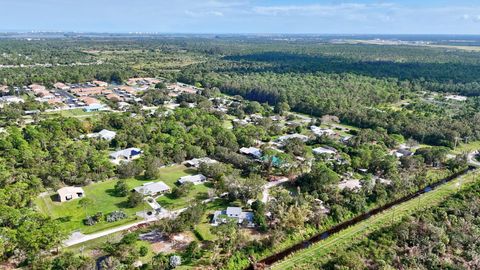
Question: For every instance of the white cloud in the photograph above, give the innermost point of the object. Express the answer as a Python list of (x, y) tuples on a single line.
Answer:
[(316, 9)]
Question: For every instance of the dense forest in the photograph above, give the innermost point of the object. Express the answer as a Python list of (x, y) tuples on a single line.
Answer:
[(444, 237), (381, 98)]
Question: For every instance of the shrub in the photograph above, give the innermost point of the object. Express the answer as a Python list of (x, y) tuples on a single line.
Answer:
[(92, 220), (115, 216)]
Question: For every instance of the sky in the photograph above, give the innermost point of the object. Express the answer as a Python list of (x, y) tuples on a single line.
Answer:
[(243, 16)]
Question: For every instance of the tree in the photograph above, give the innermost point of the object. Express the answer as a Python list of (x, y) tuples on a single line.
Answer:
[(182, 190), (85, 203), (320, 179), (134, 199), (281, 108), (121, 188), (244, 188), (160, 261), (128, 169), (160, 85), (152, 167)]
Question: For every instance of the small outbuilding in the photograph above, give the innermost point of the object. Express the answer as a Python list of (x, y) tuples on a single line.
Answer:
[(70, 193)]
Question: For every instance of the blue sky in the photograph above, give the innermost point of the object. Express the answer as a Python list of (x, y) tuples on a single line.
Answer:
[(243, 16)]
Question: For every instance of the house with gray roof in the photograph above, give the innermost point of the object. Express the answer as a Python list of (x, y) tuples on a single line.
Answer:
[(234, 214), (104, 134), (152, 188), (195, 179), (125, 155)]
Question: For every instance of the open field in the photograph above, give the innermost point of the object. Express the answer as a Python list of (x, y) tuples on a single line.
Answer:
[(467, 147), (71, 214), (355, 233)]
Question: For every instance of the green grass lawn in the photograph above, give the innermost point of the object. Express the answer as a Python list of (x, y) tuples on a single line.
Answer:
[(203, 228), (71, 214), (355, 233), (467, 147), (170, 175), (198, 193)]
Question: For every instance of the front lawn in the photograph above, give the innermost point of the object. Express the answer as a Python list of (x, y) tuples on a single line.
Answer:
[(71, 214), (198, 193)]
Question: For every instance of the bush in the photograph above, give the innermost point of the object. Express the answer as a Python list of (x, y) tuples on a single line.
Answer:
[(115, 216), (143, 251), (92, 220)]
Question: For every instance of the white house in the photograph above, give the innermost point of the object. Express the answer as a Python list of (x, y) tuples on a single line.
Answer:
[(125, 155), (251, 151), (196, 162), (324, 151), (152, 188), (11, 99), (322, 131), (233, 213), (284, 138), (70, 193), (195, 179), (103, 134)]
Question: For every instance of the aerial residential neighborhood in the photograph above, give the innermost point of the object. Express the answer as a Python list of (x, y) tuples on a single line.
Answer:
[(249, 135)]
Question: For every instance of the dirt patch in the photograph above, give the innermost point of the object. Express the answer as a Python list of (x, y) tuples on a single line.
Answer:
[(167, 244)]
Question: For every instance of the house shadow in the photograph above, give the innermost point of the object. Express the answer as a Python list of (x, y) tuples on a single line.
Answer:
[(55, 198), (64, 219)]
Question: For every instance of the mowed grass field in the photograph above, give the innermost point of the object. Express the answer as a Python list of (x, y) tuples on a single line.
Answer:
[(71, 214), (303, 259)]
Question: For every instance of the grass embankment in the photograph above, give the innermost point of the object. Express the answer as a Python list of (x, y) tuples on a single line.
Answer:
[(71, 214), (355, 233)]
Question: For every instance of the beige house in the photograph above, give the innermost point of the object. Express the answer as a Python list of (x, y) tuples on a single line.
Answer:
[(70, 193)]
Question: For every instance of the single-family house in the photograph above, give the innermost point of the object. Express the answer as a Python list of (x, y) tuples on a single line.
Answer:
[(125, 155), (284, 138), (100, 83), (61, 86), (114, 97), (318, 131), (37, 87), (11, 99), (4, 89), (104, 134), (152, 188), (402, 153), (70, 193), (196, 162), (94, 107), (326, 150), (251, 151), (235, 214), (195, 179)]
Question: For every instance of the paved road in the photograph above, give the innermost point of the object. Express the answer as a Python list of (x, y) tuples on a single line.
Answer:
[(78, 237), (472, 160), (269, 185)]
